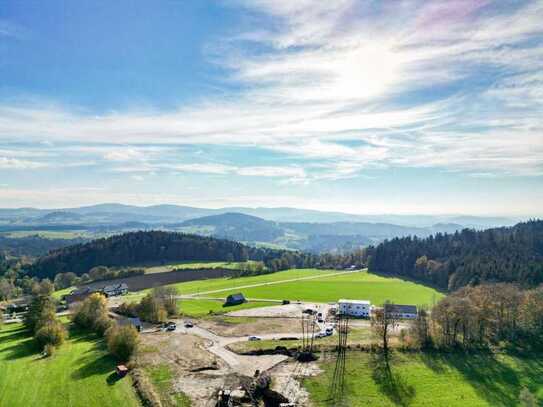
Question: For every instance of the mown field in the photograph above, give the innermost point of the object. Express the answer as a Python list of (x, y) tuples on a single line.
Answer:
[(357, 285), (80, 374), (431, 380), (324, 286)]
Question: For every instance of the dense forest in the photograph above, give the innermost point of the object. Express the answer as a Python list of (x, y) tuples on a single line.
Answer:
[(33, 246), (450, 261), (144, 247)]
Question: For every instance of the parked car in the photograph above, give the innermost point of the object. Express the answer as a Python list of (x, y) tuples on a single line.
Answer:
[(171, 326), (329, 331), (320, 321), (188, 324), (286, 302), (254, 338), (309, 311)]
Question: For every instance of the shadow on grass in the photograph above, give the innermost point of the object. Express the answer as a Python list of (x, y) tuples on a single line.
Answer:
[(93, 365), (495, 381), (21, 349), (390, 383), (113, 378)]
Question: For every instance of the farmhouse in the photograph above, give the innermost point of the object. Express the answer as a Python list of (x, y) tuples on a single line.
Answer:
[(115, 289), (135, 322), (234, 299), (401, 311), (354, 308)]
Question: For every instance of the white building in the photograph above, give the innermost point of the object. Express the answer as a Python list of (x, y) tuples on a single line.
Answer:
[(354, 308)]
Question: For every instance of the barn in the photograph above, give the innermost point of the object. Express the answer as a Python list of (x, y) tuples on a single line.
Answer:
[(234, 299)]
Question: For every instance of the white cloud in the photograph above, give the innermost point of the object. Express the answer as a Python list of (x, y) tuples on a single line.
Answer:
[(127, 154), (7, 163), (328, 85)]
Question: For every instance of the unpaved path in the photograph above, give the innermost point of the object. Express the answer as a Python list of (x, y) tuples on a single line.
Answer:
[(242, 364)]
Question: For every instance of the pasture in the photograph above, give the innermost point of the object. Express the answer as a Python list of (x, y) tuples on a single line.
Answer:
[(79, 374), (357, 285), (419, 379), (316, 286)]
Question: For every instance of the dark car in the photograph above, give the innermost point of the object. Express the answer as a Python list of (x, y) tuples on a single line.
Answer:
[(188, 324)]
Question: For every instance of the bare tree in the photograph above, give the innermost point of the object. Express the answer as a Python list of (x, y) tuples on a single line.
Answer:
[(383, 322)]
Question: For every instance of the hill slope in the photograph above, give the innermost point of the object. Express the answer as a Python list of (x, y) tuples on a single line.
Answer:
[(452, 261), (143, 247), (237, 226)]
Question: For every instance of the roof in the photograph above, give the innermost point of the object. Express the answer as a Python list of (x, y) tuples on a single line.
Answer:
[(361, 302), (401, 309), (115, 287), (233, 297)]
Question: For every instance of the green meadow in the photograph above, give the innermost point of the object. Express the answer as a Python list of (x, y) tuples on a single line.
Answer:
[(357, 285), (79, 374), (418, 379)]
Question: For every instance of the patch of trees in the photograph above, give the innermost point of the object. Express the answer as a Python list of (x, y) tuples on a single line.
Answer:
[(138, 248), (484, 316), (91, 314), (42, 322), (155, 307), (450, 261), (144, 247)]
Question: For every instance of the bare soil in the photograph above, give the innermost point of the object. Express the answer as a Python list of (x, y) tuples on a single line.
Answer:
[(243, 326)]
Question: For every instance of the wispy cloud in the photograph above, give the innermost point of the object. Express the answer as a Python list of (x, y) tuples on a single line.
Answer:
[(344, 86)]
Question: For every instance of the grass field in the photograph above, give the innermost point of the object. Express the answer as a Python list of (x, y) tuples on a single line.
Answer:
[(198, 308), (359, 285), (80, 373), (431, 380)]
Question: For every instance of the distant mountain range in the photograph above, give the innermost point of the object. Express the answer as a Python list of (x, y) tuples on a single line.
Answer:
[(290, 228), (156, 214)]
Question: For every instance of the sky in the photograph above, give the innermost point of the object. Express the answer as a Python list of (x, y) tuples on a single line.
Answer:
[(369, 107)]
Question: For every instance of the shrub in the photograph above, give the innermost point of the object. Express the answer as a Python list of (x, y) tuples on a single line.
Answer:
[(41, 310), (52, 333), (102, 324), (92, 313), (122, 341), (151, 309)]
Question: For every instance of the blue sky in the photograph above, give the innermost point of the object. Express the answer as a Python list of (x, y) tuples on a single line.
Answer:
[(357, 106)]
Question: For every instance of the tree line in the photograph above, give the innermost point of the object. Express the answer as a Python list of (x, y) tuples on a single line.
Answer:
[(484, 316), (470, 257), (138, 248)]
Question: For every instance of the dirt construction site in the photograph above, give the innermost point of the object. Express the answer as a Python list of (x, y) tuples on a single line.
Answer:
[(205, 369)]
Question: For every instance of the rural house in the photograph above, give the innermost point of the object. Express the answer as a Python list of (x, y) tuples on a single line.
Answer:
[(354, 308), (401, 311), (234, 299), (115, 289), (135, 322)]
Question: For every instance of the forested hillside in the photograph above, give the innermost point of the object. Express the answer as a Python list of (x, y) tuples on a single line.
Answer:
[(144, 247), (451, 261), (33, 245), (237, 226)]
